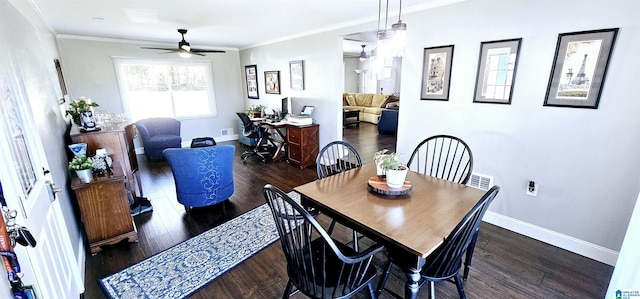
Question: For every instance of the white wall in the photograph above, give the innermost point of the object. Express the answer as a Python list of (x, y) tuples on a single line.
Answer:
[(352, 80), (89, 70), (585, 161), (30, 50), (323, 78)]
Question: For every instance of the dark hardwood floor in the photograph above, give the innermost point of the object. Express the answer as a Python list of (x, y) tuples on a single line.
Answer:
[(505, 264)]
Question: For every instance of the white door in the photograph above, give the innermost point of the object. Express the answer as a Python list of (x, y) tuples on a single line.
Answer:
[(27, 187)]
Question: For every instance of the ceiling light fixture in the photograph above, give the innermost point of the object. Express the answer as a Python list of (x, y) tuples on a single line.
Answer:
[(391, 41), (399, 34), (363, 54)]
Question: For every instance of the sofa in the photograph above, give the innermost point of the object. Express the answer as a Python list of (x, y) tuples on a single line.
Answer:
[(370, 105), (158, 134)]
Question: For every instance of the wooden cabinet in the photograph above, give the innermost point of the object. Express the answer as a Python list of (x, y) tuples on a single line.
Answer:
[(112, 138), (104, 209), (303, 144)]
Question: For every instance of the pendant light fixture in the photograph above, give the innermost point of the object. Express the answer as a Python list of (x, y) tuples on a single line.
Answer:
[(391, 41), (399, 34)]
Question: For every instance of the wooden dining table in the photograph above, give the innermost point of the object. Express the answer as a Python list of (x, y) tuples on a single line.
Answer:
[(411, 226)]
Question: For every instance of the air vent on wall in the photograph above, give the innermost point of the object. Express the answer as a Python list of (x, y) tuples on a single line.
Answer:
[(481, 181), (225, 132)]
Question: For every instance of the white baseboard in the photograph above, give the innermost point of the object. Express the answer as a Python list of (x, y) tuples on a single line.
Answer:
[(590, 250)]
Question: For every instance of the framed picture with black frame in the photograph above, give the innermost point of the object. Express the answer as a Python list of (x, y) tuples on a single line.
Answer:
[(497, 67), (251, 73), (296, 74), (579, 68), (436, 73), (272, 82)]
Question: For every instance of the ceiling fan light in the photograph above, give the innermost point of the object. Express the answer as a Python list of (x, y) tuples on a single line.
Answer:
[(184, 54)]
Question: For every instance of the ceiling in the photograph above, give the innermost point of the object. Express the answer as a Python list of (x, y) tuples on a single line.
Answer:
[(217, 23)]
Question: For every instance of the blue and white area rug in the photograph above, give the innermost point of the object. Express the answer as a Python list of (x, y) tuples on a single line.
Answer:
[(188, 266)]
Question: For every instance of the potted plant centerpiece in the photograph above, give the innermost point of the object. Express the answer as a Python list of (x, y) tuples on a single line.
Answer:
[(395, 170), (82, 109), (83, 166)]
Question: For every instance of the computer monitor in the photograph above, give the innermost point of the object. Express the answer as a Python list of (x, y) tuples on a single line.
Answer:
[(286, 105)]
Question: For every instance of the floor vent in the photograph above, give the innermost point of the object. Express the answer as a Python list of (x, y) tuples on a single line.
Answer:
[(225, 132), (481, 181)]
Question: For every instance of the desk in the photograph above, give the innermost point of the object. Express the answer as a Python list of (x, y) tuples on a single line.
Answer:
[(277, 126), (410, 226)]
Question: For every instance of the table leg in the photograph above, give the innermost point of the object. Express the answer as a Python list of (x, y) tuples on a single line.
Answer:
[(412, 287), (276, 156)]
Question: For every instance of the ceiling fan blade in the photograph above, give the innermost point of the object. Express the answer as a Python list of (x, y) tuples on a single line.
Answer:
[(206, 51), (166, 49)]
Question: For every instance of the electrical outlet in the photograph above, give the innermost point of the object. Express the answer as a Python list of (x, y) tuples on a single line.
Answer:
[(532, 188)]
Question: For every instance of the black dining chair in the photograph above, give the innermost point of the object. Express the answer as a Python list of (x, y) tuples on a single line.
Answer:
[(443, 156), (252, 130), (449, 158), (317, 266), (444, 263), (334, 158)]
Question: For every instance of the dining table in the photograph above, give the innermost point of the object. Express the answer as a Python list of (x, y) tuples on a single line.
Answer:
[(410, 226)]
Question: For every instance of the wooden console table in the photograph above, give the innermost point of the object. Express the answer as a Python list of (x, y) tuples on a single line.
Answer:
[(112, 138), (104, 209)]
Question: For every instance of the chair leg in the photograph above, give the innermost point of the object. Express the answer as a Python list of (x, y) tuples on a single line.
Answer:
[(188, 208), (287, 290), (432, 290), (458, 282), (469, 255), (383, 278), (372, 294), (333, 224)]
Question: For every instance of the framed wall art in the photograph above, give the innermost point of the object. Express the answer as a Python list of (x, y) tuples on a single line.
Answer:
[(272, 82), (497, 71), (63, 85), (436, 73), (296, 73), (251, 73), (579, 68)]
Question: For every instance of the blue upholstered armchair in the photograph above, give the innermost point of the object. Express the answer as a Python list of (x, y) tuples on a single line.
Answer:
[(158, 134), (203, 175), (388, 122)]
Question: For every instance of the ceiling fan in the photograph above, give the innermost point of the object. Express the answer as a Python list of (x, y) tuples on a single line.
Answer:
[(184, 49)]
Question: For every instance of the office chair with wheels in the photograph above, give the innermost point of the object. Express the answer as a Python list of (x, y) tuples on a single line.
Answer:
[(336, 157), (449, 158), (251, 130), (317, 265), (445, 261)]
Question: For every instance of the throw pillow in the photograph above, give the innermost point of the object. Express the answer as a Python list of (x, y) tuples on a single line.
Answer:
[(351, 100), (379, 100)]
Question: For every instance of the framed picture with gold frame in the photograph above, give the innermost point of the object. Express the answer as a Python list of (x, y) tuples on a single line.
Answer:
[(272, 82)]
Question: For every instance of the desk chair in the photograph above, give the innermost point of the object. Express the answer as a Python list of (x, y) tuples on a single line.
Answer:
[(444, 263), (317, 265), (252, 130), (449, 158), (334, 158)]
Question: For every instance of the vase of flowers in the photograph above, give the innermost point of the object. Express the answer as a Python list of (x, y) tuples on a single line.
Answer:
[(80, 106), (395, 171), (83, 166)]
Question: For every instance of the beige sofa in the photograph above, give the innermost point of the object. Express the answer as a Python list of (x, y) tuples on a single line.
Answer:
[(370, 105)]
